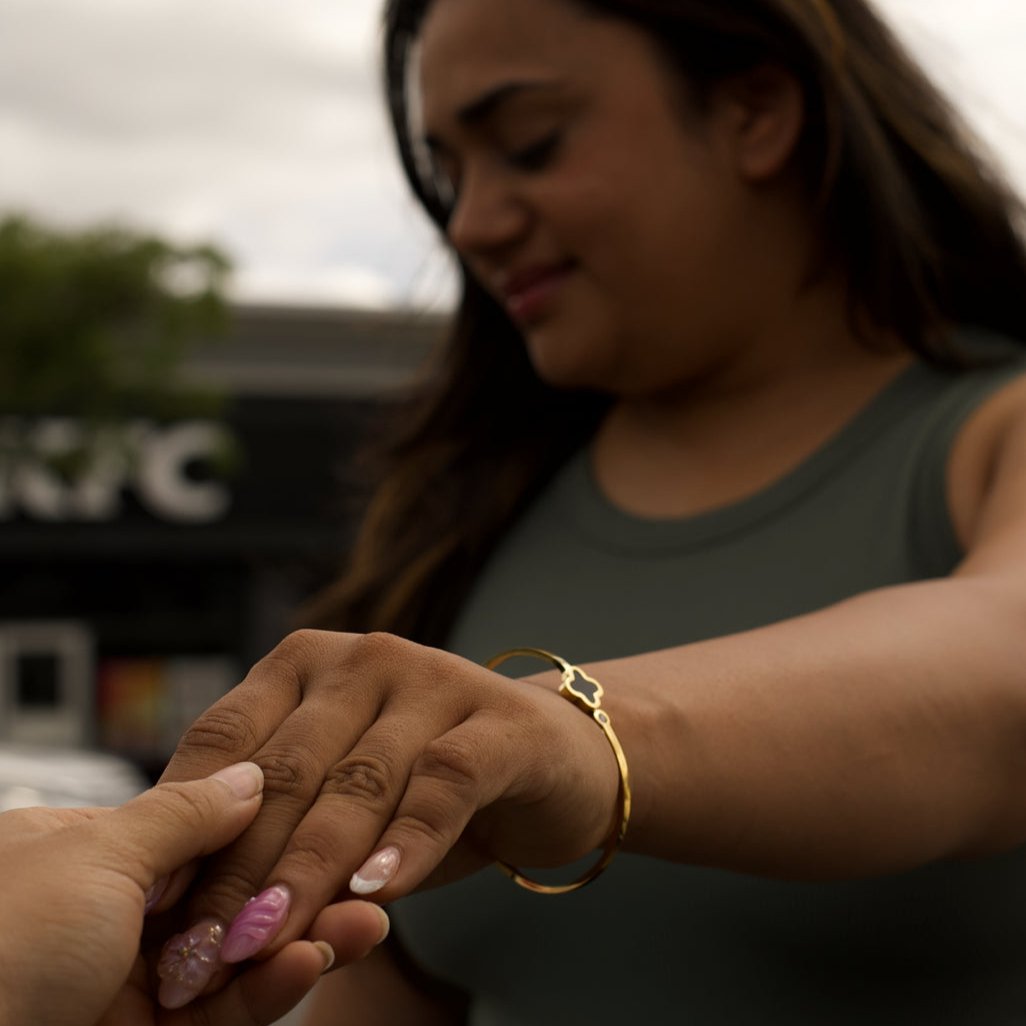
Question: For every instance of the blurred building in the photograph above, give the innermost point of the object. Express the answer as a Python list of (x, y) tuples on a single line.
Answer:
[(131, 597)]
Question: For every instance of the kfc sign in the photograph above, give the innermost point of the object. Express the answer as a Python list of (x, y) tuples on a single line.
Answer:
[(166, 467)]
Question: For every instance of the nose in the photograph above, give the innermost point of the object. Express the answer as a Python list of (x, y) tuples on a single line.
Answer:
[(488, 215)]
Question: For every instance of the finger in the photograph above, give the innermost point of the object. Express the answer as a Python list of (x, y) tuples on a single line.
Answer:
[(353, 929), (362, 793), (243, 869), (298, 711), (470, 769), (334, 772), (359, 796), (350, 702), (263, 993), (172, 824), (192, 963), (456, 775), (295, 763), (236, 726)]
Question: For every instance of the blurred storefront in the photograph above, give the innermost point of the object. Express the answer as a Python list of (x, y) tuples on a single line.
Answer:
[(133, 595)]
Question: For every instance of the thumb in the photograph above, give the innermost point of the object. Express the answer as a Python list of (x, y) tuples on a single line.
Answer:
[(171, 824)]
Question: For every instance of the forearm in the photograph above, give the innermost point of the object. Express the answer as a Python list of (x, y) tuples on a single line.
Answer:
[(880, 733)]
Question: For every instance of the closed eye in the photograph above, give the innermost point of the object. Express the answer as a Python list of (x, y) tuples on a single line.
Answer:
[(536, 156)]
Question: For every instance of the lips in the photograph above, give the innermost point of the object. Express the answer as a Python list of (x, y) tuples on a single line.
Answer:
[(528, 293)]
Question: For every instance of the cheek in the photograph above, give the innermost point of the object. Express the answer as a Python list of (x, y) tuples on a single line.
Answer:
[(597, 223), (633, 219), (673, 243)]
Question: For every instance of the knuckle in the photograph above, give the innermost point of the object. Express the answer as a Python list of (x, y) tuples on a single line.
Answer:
[(452, 762), (331, 657), (436, 821), (313, 856), (178, 812), (375, 649), (286, 771), (222, 730), (184, 805), (446, 796), (365, 778), (287, 664), (281, 674), (299, 645)]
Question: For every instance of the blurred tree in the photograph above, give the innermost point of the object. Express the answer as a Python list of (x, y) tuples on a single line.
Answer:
[(95, 324)]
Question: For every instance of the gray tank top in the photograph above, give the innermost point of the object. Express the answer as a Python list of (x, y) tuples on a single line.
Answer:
[(655, 942)]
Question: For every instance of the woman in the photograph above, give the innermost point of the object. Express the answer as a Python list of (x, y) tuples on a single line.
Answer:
[(75, 885), (734, 416)]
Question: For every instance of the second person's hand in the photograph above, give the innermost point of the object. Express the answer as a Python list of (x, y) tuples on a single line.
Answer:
[(74, 885)]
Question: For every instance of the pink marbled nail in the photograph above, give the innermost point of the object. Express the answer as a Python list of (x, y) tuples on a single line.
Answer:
[(188, 962), (260, 919)]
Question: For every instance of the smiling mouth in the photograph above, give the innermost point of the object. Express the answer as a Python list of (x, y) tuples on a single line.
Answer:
[(529, 296)]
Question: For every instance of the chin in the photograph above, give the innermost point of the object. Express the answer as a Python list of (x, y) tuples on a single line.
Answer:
[(567, 363), (568, 377)]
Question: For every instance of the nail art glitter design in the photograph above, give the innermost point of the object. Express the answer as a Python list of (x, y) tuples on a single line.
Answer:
[(260, 919), (189, 961)]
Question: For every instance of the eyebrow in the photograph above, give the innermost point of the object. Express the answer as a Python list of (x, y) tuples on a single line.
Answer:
[(485, 106)]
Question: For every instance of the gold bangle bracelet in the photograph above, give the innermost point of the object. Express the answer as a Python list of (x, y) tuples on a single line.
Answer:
[(586, 693)]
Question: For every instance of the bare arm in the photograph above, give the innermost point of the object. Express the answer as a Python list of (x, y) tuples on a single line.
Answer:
[(880, 733)]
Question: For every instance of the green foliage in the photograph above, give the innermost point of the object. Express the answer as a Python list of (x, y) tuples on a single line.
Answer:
[(95, 324)]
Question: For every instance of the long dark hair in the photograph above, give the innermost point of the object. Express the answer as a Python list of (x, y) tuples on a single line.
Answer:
[(928, 234)]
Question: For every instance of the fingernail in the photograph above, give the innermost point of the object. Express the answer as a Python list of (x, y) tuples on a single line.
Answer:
[(246, 779), (155, 893), (386, 924), (375, 872), (260, 919), (188, 963), (328, 952)]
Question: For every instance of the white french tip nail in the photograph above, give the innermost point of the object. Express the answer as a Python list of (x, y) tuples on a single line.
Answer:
[(377, 871)]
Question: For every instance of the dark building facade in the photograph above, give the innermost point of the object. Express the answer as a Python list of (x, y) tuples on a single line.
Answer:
[(134, 594)]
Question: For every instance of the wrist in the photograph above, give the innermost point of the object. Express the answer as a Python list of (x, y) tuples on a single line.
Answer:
[(582, 692)]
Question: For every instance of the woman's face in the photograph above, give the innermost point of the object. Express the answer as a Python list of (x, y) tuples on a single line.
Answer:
[(606, 218)]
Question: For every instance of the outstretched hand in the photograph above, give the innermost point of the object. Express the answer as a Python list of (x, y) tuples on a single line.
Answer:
[(388, 766), (74, 885)]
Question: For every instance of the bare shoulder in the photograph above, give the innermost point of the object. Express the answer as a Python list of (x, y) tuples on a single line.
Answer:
[(987, 475)]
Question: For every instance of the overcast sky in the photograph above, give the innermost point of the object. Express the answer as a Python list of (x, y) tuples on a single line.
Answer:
[(257, 124)]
